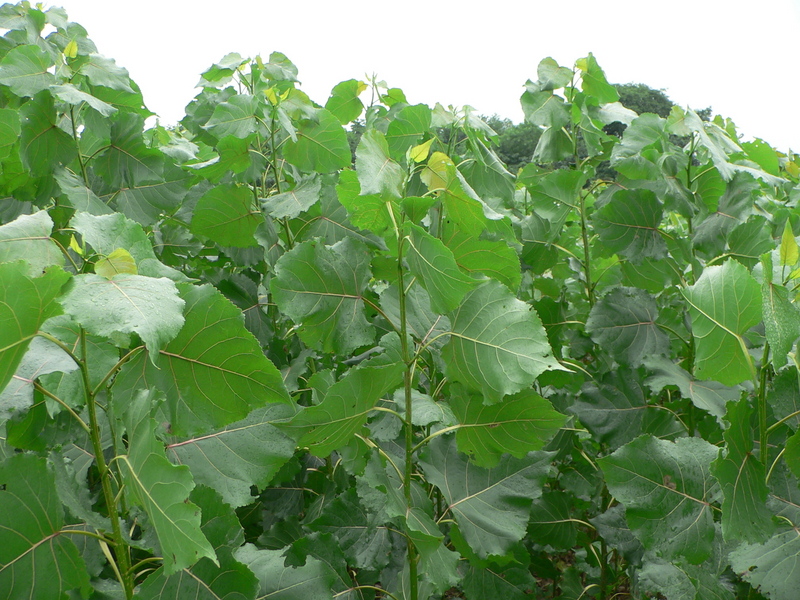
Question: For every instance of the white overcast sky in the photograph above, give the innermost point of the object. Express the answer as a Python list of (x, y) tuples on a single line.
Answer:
[(739, 57)]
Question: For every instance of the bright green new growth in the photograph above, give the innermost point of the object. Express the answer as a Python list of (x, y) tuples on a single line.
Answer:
[(336, 350)]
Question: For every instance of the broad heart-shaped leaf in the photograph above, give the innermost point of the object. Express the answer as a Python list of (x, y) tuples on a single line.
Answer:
[(38, 560), (106, 233), (434, 265), (624, 323), (103, 71), (724, 303), (226, 214), (520, 424), (510, 582), (498, 344), (44, 146), (405, 130), (236, 117), (320, 288), (161, 489), (24, 69), (377, 172), (461, 203), (297, 200), (72, 95), (127, 161), (491, 506), (75, 193), (314, 580), (25, 303), (593, 80), (667, 491), (213, 373), (126, 304), (495, 259), (781, 317), (772, 566), (344, 103), (231, 580), (370, 212), (329, 425), (28, 238), (235, 458), (321, 145), (628, 225), (742, 478), (146, 201)]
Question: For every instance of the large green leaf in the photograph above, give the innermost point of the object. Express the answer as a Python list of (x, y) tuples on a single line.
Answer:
[(38, 560), (126, 304), (25, 303), (26, 70), (329, 425), (236, 117), (520, 424), (320, 288), (321, 145), (127, 161), (495, 259), (629, 223), (235, 458), (491, 506), (297, 200), (104, 72), (314, 580), (227, 215), (667, 491), (624, 323), (377, 172), (372, 212), (344, 103), (773, 566), (77, 194), (146, 201), (44, 146), (28, 238), (511, 582), (9, 130), (213, 373), (781, 317), (434, 265), (461, 203), (742, 478), (161, 489), (72, 95), (498, 344), (405, 130), (724, 303)]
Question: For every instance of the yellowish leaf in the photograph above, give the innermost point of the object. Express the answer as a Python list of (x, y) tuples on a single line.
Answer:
[(420, 152), (789, 250), (119, 261), (71, 50)]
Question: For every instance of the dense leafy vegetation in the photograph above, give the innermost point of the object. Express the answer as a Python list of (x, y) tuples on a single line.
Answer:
[(234, 364)]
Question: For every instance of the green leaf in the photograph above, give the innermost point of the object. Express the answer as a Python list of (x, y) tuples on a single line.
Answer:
[(43, 144), (104, 72), (545, 109), (38, 561), (628, 225), (724, 303), (25, 303), (772, 566), (236, 117), (226, 215), (320, 288), (127, 162), (624, 322), (145, 202), (297, 200), (555, 144), (551, 76), (161, 489), (433, 263), (71, 95), (462, 204), (377, 172), (321, 145), (119, 261), (551, 520), (344, 103), (491, 506), (497, 343), (28, 238), (742, 478), (593, 80), (77, 194), (343, 411), (312, 581), (243, 454), (9, 130), (124, 305), (497, 259), (667, 491), (24, 69), (512, 582), (520, 424), (781, 317), (789, 252), (405, 130), (213, 373), (371, 211)]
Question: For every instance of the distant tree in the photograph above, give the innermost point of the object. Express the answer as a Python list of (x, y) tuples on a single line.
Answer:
[(642, 98), (516, 143)]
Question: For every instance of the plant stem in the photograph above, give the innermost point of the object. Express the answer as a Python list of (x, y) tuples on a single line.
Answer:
[(761, 399), (120, 548), (587, 259)]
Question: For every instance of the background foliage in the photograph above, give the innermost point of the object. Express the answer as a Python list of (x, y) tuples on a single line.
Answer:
[(252, 356)]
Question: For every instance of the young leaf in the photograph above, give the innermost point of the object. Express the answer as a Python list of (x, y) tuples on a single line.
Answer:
[(789, 252), (724, 303), (118, 262)]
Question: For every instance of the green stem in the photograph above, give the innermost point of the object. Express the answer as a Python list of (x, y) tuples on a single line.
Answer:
[(763, 431), (78, 146), (120, 548), (587, 258)]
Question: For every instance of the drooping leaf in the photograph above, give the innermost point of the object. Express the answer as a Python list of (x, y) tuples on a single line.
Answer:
[(9, 131), (72, 95), (724, 303), (38, 561), (498, 344), (161, 490), (742, 478), (146, 201), (667, 490), (491, 506), (25, 303), (226, 214), (551, 523), (320, 288), (461, 202), (78, 195), (629, 225), (624, 323), (127, 161), (29, 238), (213, 372), (520, 424), (241, 455), (321, 145), (343, 410), (290, 204)]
